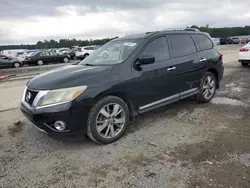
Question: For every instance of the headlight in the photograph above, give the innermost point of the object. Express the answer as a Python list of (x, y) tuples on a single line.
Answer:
[(61, 95)]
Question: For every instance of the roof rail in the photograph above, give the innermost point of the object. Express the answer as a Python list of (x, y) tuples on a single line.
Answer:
[(149, 32), (181, 29)]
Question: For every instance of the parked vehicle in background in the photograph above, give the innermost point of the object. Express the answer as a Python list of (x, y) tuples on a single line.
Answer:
[(52, 51), (62, 50), (244, 55), (245, 41), (22, 55), (103, 93), (8, 62), (42, 57), (85, 52), (12, 52), (225, 40), (235, 40), (216, 40), (72, 53)]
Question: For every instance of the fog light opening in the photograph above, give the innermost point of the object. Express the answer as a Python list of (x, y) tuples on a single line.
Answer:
[(60, 125)]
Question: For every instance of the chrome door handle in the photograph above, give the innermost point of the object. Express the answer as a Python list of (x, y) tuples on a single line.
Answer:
[(171, 68), (203, 59)]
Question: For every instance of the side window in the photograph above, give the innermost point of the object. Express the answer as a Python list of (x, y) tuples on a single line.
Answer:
[(88, 48), (203, 41), (158, 48), (182, 45), (42, 53)]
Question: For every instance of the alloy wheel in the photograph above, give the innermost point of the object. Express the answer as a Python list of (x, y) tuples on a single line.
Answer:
[(40, 62), (16, 65), (66, 60), (110, 120), (208, 87)]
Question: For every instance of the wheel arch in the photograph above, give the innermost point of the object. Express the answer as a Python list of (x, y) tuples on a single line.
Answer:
[(216, 74), (132, 111)]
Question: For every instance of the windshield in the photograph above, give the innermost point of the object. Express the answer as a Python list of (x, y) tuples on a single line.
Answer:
[(112, 53)]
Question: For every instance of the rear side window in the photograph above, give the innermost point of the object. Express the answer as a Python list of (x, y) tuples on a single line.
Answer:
[(89, 48), (203, 42), (158, 48), (182, 45)]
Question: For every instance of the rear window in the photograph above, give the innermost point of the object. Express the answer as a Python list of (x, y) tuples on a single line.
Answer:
[(89, 48), (182, 44), (203, 42)]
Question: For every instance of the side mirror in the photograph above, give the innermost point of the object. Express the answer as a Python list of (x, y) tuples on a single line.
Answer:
[(145, 60)]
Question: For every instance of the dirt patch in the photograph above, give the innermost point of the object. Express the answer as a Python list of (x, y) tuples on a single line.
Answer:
[(217, 150), (15, 128), (224, 161), (224, 175)]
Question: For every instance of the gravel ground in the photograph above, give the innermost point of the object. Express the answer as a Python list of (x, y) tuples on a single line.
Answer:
[(181, 145)]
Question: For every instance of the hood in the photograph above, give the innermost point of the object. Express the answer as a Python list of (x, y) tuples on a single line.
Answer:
[(68, 76)]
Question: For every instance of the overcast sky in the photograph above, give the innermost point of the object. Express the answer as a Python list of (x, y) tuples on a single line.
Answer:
[(27, 21)]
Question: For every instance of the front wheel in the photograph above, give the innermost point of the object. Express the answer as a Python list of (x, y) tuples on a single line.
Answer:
[(207, 88), (108, 120)]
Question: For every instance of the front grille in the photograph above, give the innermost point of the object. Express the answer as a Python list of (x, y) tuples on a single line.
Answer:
[(30, 96)]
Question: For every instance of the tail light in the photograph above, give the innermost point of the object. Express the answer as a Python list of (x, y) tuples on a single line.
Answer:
[(81, 51), (244, 50), (220, 53)]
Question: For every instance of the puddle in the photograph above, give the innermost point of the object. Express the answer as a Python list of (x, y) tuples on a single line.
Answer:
[(228, 101)]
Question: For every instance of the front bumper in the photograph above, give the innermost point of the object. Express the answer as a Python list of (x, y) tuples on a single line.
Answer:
[(73, 115)]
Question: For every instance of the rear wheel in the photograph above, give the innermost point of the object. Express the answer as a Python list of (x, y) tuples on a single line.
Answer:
[(85, 55), (207, 88), (244, 64), (108, 120), (40, 62), (16, 65), (66, 60)]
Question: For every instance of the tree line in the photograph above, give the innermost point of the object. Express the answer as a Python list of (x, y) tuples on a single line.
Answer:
[(224, 32), (57, 44), (214, 32)]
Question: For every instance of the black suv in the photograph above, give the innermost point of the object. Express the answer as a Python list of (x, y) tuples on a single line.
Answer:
[(124, 78)]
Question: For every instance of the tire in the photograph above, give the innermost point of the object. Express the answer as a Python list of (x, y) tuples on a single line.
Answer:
[(85, 55), (99, 136), (65, 60), (244, 64), (40, 62), (208, 81), (16, 64)]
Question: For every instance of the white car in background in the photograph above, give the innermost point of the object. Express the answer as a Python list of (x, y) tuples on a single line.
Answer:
[(244, 55), (60, 51), (85, 51), (216, 41)]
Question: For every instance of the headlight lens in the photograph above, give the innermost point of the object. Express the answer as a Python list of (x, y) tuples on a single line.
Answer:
[(62, 95)]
